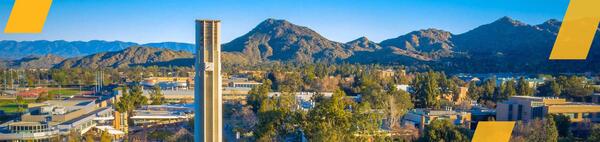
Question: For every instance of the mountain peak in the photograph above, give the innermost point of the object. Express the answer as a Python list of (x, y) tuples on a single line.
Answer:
[(274, 23), (360, 39), (426, 40), (431, 31), (287, 40), (552, 21), (508, 21), (362, 44), (551, 25), (278, 27)]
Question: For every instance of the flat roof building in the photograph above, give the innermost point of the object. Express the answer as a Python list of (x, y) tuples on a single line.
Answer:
[(162, 114), (55, 118), (421, 117), (527, 108)]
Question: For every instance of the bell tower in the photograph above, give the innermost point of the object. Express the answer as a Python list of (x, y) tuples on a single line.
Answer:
[(208, 124)]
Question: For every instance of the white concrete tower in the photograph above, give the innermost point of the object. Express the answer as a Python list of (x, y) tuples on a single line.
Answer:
[(208, 125)]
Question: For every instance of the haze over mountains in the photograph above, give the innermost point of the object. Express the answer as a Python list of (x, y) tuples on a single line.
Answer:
[(505, 45)]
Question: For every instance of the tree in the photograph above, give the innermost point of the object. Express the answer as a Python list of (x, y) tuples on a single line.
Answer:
[(130, 100), (137, 97), (74, 137), (105, 137), (443, 130), (124, 105), (60, 77), (399, 102), (509, 90), (563, 123), (89, 137), (550, 129), (20, 103), (258, 94), (157, 96), (426, 90), (365, 121), (575, 87), (447, 86), (243, 119), (474, 91), (523, 88), (550, 89), (488, 93), (276, 120), (537, 130), (595, 134), (371, 91), (329, 120)]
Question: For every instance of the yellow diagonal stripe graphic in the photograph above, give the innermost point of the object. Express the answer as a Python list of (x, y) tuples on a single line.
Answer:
[(577, 30), (28, 16), (495, 131)]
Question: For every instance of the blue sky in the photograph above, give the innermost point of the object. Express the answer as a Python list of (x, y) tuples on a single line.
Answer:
[(147, 21)]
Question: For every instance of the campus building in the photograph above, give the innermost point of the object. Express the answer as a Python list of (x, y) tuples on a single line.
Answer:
[(422, 117), (171, 83), (54, 118), (177, 90), (388, 73), (527, 108), (151, 115), (247, 84)]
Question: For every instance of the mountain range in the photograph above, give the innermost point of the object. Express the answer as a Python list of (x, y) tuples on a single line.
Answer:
[(10, 49), (504, 45)]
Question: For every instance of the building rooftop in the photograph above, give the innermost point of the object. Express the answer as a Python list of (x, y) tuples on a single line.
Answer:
[(549, 100), (163, 112), (87, 115), (25, 123), (207, 20), (430, 112), (67, 103), (111, 130)]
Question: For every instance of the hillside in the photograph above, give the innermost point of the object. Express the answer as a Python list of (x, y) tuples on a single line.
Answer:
[(18, 49), (12, 50), (34, 62), (504, 45), (135, 55), (281, 40)]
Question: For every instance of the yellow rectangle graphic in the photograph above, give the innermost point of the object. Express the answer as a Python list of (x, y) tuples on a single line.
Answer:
[(28, 16), (577, 31), (493, 131)]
